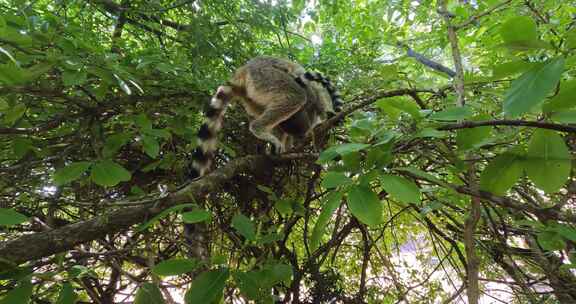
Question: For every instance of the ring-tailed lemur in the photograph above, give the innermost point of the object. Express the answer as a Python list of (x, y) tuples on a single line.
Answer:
[(282, 99)]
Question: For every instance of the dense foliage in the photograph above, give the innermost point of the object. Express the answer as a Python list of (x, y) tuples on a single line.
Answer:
[(447, 178)]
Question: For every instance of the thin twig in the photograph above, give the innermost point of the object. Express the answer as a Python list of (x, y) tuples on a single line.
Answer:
[(522, 123)]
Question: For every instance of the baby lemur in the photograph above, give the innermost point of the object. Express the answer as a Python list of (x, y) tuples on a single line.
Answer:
[(281, 98)]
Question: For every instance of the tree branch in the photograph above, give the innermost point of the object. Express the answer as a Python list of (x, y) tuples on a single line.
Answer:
[(43, 244), (533, 124)]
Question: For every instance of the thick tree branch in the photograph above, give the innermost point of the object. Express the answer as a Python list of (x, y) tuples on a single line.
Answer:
[(43, 244)]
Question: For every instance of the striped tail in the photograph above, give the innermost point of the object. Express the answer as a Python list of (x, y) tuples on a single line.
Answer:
[(327, 84), (203, 156)]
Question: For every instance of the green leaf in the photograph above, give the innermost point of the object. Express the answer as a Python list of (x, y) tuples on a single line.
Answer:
[(208, 287), (248, 284), (11, 74), (566, 117), (343, 149), (284, 206), (14, 114), (566, 231), (511, 68), (163, 214), (150, 146), (564, 99), (70, 173), (454, 113), (108, 173), (142, 121), (430, 132), (282, 273), (72, 78), (174, 267), (196, 216), (365, 205), (548, 161), (18, 295), (67, 294), (21, 146), (330, 205), (244, 226), (335, 179), (148, 293), (502, 172), (400, 188), (530, 89), (10, 217), (519, 29), (114, 143), (550, 240)]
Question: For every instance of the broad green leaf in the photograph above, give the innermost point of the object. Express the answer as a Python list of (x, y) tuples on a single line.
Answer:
[(566, 231), (81, 271), (282, 273), (550, 240), (10, 217), (108, 173), (244, 226), (150, 146), (530, 89), (365, 205), (248, 284), (511, 68), (196, 216), (11, 74), (163, 214), (72, 78), (571, 39), (4, 105), (142, 121), (548, 162), (502, 172), (343, 149), (564, 100), (283, 206), (400, 188), (148, 293), (467, 139), (455, 113), (67, 294), (405, 105), (70, 173), (330, 205), (207, 287), (335, 179), (14, 114), (18, 295), (174, 267), (114, 143), (565, 117), (519, 29), (21, 146), (9, 272), (430, 132)]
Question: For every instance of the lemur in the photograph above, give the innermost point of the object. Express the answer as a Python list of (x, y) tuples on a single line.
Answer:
[(282, 99)]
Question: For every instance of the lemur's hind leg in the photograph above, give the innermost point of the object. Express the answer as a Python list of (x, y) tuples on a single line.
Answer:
[(278, 111)]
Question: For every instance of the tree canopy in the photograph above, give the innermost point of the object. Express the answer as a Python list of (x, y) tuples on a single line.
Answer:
[(446, 178)]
